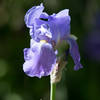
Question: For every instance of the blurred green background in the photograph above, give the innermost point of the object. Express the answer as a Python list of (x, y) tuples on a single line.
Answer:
[(14, 37)]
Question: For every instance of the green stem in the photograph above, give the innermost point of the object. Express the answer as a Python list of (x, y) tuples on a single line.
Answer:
[(53, 91)]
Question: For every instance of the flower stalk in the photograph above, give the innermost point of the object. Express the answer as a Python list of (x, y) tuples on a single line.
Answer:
[(53, 91)]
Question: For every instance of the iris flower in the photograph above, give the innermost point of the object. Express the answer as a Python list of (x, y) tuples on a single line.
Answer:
[(45, 31)]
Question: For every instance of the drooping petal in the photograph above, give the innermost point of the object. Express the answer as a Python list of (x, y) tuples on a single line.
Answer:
[(74, 53), (42, 59), (32, 14), (27, 54)]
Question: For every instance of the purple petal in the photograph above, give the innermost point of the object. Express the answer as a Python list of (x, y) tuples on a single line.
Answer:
[(44, 15), (27, 54), (43, 33), (60, 25), (74, 53), (43, 59), (32, 14), (63, 13)]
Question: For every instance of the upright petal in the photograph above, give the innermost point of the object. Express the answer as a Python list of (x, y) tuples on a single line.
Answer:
[(74, 52), (63, 13), (44, 15), (32, 14), (43, 33), (42, 60), (59, 25)]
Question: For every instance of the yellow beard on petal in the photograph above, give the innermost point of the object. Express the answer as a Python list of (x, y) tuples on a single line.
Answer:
[(43, 41)]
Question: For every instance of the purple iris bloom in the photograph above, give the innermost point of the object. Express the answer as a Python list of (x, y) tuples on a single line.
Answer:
[(46, 29)]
